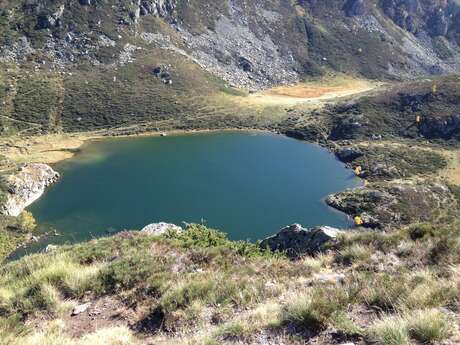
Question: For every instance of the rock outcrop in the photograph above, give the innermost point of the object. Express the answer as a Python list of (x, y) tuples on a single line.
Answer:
[(157, 229), (26, 186), (51, 20), (435, 17), (392, 204), (296, 241), (348, 154), (440, 127), (159, 8)]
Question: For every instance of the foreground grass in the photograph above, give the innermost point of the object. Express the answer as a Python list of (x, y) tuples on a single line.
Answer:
[(197, 287)]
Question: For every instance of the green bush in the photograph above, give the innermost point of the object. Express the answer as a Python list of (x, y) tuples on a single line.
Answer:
[(354, 254), (232, 330), (213, 290), (199, 236), (26, 221), (344, 324)]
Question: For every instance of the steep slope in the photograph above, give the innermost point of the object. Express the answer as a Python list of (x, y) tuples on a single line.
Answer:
[(248, 43), (86, 65), (197, 287)]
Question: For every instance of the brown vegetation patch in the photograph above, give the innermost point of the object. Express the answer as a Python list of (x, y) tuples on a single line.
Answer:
[(315, 91), (102, 313)]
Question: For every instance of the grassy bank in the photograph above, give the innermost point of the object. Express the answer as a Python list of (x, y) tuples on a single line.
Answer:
[(199, 288)]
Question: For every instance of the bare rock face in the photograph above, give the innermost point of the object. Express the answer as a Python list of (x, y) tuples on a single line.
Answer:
[(159, 8), (27, 186), (435, 17), (157, 229), (297, 241)]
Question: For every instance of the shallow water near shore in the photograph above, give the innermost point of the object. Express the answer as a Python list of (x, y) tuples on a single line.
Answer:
[(246, 184)]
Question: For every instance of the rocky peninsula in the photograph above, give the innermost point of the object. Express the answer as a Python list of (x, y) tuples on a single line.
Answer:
[(26, 186)]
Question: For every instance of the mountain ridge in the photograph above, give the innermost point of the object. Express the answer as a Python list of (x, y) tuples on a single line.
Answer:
[(247, 43)]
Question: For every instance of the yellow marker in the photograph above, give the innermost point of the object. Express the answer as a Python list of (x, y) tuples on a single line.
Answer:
[(358, 170), (358, 221), (434, 89)]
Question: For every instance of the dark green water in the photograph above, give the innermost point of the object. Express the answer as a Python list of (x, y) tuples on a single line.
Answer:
[(248, 185)]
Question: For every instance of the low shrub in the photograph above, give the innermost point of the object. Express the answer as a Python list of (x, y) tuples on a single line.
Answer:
[(216, 289), (344, 324), (428, 326), (421, 231), (389, 330), (315, 310), (384, 291), (354, 254), (199, 236), (233, 330), (131, 271)]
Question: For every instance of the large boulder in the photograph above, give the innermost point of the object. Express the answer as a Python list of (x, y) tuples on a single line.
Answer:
[(158, 229), (348, 154), (440, 127), (26, 186), (296, 241), (245, 64), (49, 21)]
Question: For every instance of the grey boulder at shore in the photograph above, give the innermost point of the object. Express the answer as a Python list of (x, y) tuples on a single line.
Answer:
[(157, 229), (26, 186), (295, 240)]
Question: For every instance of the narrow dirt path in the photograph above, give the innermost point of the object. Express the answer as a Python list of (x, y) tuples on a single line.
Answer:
[(452, 172)]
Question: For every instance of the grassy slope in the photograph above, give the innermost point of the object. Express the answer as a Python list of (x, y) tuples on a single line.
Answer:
[(38, 101), (93, 98), (395, 288)]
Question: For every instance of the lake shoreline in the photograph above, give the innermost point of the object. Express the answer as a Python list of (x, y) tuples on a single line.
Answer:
[(280, 146), (54, 148)]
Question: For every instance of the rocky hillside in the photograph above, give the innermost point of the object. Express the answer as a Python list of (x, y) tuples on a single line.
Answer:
[(427, 108), (246, 42), (95, 64)]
